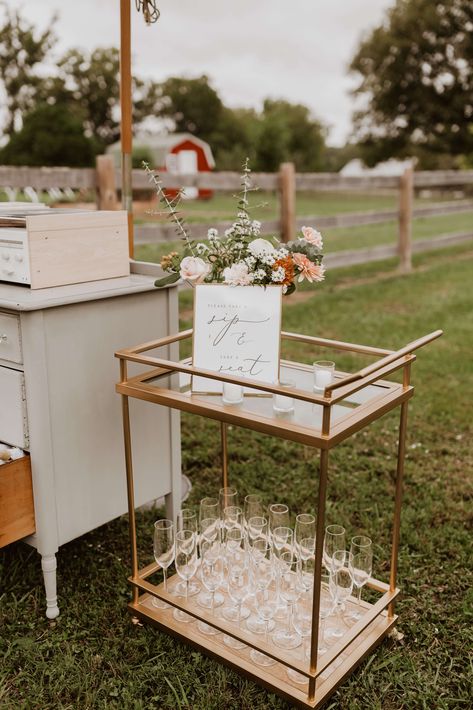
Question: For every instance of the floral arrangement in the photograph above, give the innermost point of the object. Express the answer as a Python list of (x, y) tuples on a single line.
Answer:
[(241, 257)]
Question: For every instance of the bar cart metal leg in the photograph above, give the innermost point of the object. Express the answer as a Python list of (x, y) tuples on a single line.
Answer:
[(398, 502), (131, 493), (223, 437), (319, 538)]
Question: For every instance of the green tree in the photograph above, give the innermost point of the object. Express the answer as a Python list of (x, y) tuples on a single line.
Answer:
[(234, 138), (288, 132), (417, 82), (91, 82), (22, 49), (193, 105), (51, 135)]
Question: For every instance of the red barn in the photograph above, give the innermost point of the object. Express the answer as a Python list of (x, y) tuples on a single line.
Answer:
[(175, 153)]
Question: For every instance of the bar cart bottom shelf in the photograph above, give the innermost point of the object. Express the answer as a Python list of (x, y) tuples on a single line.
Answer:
[(338, 663)]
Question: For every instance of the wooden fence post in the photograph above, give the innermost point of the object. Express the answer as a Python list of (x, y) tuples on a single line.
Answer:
[(406, 199), (106, 186), (287, 196)]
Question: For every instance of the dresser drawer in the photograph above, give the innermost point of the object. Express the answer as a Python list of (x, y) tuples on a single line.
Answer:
[(13, 419), (10, 343), (16, 501)]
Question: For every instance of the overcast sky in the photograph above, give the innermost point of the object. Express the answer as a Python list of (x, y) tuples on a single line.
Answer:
[(251, 49)]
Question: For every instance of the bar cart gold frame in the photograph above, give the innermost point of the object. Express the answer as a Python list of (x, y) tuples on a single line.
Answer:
[(326, 673)]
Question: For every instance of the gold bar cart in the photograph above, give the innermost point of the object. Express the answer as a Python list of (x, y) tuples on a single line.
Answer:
[(349, 403)]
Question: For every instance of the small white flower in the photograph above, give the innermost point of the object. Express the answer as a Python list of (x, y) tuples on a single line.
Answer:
[(239, 245), (278, 275), (268, 259), (201, 248), (259, 274), (251, 261), (212, 233), (229, 231)]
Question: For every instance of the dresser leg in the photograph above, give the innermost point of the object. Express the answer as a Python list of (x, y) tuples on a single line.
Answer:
[(49, 565)]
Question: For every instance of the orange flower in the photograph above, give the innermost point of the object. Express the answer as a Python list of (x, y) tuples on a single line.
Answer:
[(307, 269), (288, 266)]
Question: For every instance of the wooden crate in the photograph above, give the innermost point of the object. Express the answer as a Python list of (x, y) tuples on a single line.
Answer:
[(74, 248), (16, 501)]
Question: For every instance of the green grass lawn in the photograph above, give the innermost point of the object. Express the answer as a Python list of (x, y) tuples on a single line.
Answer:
[(94, 657)]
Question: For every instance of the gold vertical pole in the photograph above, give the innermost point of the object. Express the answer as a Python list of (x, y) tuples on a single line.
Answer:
[(397, 502), (223, 436), (319, 544), (126, 116), (130, 492)]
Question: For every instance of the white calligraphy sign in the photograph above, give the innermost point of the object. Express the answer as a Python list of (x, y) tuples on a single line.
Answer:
[(237, 331)]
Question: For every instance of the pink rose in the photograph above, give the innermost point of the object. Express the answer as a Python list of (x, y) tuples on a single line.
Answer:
[(307, 269), (312, 236), (193, 269)]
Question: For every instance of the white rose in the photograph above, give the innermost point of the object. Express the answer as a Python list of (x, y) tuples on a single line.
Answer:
[(237, 275), (194, 269), (259, 247)]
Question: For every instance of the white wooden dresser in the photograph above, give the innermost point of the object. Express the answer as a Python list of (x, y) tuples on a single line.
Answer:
[(58, 401)]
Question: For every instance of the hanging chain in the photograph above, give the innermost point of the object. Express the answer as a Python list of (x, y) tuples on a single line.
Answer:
[(150, 11)]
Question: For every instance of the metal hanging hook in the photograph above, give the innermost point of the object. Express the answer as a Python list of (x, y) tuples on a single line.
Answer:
[(150, 11)]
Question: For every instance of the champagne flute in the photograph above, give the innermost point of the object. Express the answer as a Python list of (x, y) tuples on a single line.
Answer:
[(361, 567), (211, 572), (326, 607), (164, 552), (302, 623), (232, 518), (238, 580), (209, 509), (283, 540), (227, 497), (341, 583), (265, 598), (307, 568), (252, 507), (278, 516), (290, 591), (334, 540), (187, 520), (236, 559), (305, 530), (262, 574), (257, 529), (186, 566)]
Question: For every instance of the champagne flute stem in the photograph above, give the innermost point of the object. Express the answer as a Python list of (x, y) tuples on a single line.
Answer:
[(290, 619), (266, 630), (359, 596), (187, 589), (322, 623), (165, 579), (212, 599)]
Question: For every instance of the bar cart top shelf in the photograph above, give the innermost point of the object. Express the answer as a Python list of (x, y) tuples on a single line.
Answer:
[(321, 420)]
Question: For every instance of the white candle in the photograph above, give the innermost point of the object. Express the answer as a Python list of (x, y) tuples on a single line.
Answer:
[(322, 379), (232, 394), (282, 403)]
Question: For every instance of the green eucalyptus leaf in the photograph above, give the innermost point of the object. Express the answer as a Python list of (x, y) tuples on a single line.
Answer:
[(290, 289), (167, 280)]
